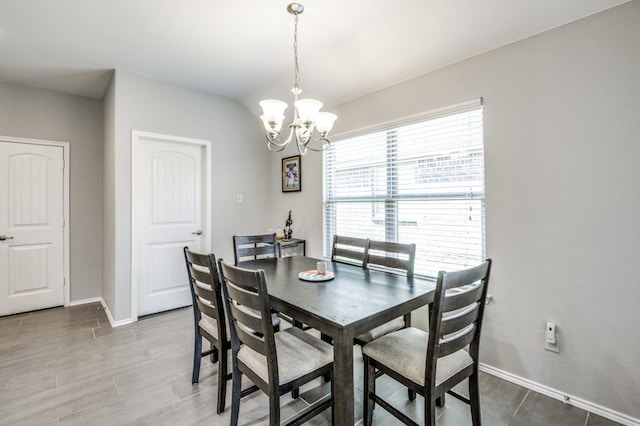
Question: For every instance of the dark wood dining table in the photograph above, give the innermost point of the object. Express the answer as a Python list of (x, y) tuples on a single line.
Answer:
[(354, 302)]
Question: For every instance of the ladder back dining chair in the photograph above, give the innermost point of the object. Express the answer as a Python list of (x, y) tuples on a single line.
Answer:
[(396, 258), (252, 247), (391, 257), (451, 347), (349, 250), (209, 318), (275, 362)]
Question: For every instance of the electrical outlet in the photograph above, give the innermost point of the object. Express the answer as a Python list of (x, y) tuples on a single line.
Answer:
[(239, 198)]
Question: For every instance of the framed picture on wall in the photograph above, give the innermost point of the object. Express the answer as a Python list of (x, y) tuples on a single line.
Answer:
[(291, 174)]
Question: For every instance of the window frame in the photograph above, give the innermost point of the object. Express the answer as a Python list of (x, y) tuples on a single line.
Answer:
[(392, 196)]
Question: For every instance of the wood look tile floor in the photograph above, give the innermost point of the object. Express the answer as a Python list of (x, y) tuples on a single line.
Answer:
[(67, 366)]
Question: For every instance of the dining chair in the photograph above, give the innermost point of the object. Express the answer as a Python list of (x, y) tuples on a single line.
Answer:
[(451, 347), (390, 257), (252, 247), (394, 258), (349, 250), (209, 318), (275, 362)]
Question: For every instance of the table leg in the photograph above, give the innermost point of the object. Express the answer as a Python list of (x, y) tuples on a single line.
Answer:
[(343, 392)]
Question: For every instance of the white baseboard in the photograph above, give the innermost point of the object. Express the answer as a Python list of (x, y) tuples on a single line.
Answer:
[(106, 309), (561, 396), (86, 301), (114, 323)]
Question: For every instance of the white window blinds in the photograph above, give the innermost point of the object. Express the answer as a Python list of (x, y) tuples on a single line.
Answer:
[(419, 181)]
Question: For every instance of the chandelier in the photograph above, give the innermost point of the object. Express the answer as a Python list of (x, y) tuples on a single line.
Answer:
[(306, 112)]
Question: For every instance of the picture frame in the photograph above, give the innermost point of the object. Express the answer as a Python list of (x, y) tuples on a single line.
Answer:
[(291, 174)]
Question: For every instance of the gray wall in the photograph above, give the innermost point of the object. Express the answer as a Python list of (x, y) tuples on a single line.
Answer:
[(562, 129), (42, 114), (239, 165), (109, 266)]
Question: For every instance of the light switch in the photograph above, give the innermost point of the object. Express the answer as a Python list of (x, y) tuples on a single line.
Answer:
[(550, 334)]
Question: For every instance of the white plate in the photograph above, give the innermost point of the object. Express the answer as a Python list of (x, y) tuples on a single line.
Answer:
[(313, 275)]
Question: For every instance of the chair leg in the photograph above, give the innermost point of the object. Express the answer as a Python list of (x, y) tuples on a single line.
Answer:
[(474, 397), (197, 354), (236, 389), (329, 340), (222, 381), (274, 408), (214, 354), (295, 393), (369, 388), (429, 411), (411, 394)]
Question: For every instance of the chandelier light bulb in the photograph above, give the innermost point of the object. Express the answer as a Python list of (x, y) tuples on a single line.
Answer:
[(308, 109), (272, 114), (324, 122)]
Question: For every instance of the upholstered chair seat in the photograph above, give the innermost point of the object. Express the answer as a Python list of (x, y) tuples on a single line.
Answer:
[(405, 352), (290, 343)]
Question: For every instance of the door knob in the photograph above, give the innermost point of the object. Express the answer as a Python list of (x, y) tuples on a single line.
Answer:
[(4, 237), (197, 233)]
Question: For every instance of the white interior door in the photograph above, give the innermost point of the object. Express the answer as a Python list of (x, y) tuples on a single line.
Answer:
[(169, 202), (31, 227)]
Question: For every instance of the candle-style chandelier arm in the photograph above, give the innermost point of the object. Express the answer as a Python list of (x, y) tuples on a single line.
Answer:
[(275, 144), (303, 142), (325, 144)]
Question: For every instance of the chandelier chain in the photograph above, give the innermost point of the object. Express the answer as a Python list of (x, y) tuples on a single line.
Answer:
[(296, 71)]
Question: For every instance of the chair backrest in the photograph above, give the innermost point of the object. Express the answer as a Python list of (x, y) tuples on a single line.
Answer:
[(350, 250), (206, 291), (251, 247), (242, 289), (392, 257), (456, 317)]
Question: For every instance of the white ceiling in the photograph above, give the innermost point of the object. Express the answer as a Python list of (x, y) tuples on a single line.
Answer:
[(243, 48)]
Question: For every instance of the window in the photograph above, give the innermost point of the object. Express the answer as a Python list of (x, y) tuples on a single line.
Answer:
[(417, 181)]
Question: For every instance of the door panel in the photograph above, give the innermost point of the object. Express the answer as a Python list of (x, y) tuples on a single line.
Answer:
[(31, 217), (169, 214)]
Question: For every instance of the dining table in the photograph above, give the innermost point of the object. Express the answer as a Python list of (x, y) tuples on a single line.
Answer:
[(354, 301)]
